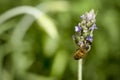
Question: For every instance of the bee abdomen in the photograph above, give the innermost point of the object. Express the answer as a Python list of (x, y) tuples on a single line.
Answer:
[(78, 55)]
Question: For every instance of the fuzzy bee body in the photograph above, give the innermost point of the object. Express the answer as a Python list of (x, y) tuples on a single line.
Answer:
[(81, 52)]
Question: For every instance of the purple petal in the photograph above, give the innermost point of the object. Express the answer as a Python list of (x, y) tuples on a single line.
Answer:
[(89, 38), (93, 27), (91, 15), (80, 42), (83, 17), (78, 29)]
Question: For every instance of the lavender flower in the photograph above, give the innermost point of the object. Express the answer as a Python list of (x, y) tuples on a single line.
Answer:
[(89, 38), (80, 42), (78, 28), (83, 17), (93, 27), (89, 15), (84, 31)]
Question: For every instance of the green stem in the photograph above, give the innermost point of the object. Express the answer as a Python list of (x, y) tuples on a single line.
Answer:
[(80, 69)]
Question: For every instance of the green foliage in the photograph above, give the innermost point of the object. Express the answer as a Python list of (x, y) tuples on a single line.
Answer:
[(36, 40)]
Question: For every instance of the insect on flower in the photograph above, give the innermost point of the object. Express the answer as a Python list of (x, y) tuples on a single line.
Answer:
[(82, 50), (84, 34)]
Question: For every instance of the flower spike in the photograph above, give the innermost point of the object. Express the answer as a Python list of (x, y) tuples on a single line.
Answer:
[(84, 34)]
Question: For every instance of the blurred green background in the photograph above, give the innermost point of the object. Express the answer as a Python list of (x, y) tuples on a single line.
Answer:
[(36, 42)]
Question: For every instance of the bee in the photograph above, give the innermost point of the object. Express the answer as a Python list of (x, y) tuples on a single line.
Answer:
[(79, 54), (81, 51), (83, 48)]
